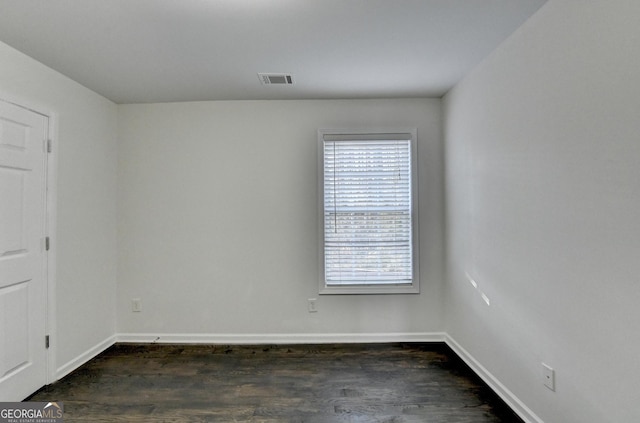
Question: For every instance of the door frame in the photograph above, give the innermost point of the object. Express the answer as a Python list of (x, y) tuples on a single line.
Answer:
[(50, 225)]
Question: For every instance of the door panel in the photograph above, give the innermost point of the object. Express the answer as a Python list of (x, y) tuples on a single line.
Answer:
[(12, 231), (13, 134), (14, 321), (23, 287)]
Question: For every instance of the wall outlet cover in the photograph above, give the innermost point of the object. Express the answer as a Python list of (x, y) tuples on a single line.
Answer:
[(548, 377)]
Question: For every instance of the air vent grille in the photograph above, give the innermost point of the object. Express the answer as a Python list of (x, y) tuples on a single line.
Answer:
[(275, 78)]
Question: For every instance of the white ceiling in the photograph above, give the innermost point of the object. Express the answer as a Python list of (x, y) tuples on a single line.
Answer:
[(140, 51)]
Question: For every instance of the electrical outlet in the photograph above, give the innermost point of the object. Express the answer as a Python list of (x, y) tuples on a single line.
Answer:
[(313, 307), (136, 305), (548, 377)]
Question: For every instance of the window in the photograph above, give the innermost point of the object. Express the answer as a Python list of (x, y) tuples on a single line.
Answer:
[(368, 214)]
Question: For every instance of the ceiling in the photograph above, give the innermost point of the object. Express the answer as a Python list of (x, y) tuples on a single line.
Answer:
[(142, 51)]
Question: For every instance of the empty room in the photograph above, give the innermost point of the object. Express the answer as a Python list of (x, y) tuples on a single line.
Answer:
[(318, 211)]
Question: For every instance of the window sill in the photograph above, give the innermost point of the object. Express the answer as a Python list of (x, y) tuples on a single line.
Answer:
[(369, 289)]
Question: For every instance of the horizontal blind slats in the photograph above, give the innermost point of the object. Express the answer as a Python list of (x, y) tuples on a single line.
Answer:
[(367, 209)]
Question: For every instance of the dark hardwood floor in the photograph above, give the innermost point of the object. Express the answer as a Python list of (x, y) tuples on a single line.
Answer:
[(296, 383)]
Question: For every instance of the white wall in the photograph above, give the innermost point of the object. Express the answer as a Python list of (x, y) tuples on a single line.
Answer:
[(218, 220), (543, 187), (86, 208)]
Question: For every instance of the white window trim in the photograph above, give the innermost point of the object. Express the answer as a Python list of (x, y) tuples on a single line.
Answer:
[(414, 287)]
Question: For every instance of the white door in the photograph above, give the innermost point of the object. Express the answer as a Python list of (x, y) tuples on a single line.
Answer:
[(23, 287)]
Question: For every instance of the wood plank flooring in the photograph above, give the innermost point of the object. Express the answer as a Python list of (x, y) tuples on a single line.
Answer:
[(296, 383)]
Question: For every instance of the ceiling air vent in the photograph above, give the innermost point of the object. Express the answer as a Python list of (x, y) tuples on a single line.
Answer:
[(275, 78)]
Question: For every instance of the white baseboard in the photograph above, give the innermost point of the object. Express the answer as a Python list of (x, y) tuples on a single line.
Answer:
[(276, 338), (70, 366), (507, 396)]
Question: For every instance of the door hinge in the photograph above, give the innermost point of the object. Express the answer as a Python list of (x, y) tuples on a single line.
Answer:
[(46, 341), (48, 146), (46, 243)]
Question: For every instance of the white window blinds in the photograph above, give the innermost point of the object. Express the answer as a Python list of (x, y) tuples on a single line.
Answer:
[(368, 236)]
